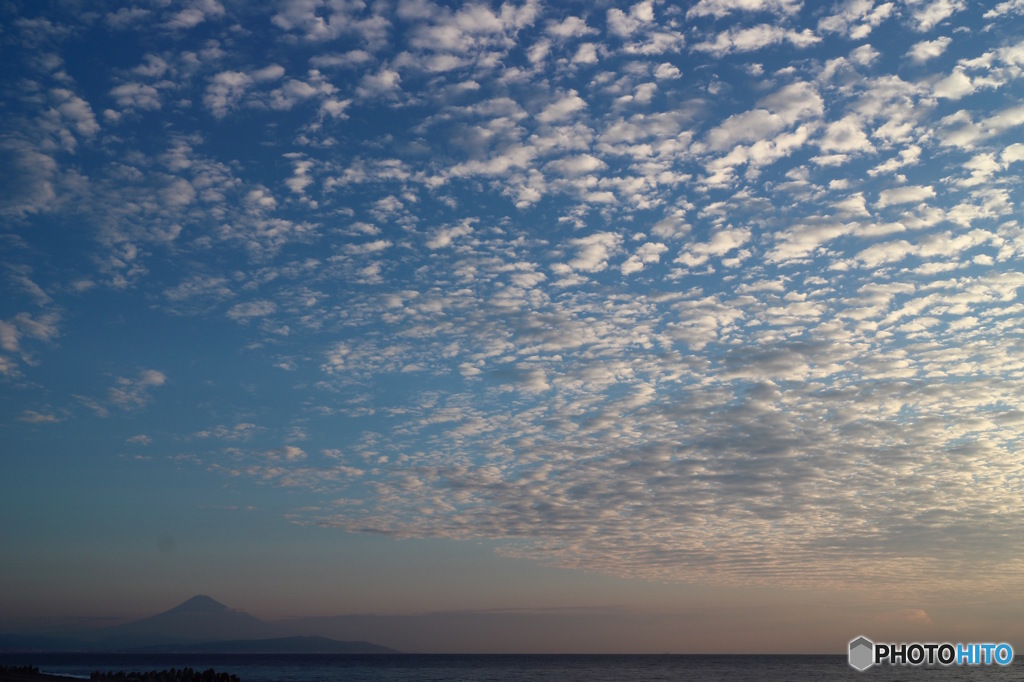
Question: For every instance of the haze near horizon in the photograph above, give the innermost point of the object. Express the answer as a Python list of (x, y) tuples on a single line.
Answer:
[(516, 326)]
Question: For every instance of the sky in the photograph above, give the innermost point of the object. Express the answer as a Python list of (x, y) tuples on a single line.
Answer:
[(699, 319)]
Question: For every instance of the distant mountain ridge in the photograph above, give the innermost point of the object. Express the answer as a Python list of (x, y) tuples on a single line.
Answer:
[(200, 624)]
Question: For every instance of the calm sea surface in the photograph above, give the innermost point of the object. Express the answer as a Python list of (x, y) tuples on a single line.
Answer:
[(499, 668)]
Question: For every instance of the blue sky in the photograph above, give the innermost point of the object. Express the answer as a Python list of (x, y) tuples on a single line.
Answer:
[(583, 305)]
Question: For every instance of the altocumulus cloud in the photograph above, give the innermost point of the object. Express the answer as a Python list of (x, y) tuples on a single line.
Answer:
[(724, 294)]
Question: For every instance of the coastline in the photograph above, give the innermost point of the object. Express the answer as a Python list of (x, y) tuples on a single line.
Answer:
[(31, 673), (23, 675)]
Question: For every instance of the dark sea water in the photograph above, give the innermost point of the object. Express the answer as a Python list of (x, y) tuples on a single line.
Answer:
[(500, 667)]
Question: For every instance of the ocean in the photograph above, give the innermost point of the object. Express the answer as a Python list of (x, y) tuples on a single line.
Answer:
[(503, 668), (506, 667)]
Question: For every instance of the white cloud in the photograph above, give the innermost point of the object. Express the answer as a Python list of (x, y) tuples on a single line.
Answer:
[(721, 8), (755, 38), (563, 108), (582, 164), (196, 13), (292, 453), (803, 240), (856, 18), (570, 27), (781, 109), (929, 49), (268, 73), (846, 135), (32, 184), (852, 205), (593, 251), (722, 242), (586, 54), (746, 127), (382, 83), (241, 312), (137, 96), (126, 16), (131, 394), (75, 111), (1011, 117), (1004, 8), (929, 13), (907, 157), (795, 102), (445, 236), (626, 24), (910, 194), (671, 227), (666, 71), (864, 55), (225, 90), (33, 417), (335, 108), (940, 245), (301, 178), (318, 22), (1013, 153), (350, 59), (376, 246), (954, 86), (649, 253), (9, 337)]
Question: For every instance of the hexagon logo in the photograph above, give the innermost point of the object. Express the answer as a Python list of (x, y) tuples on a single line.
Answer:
[(862, 653)]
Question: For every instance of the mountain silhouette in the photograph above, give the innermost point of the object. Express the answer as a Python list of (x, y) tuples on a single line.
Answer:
[(199, 604), (199, 619)]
